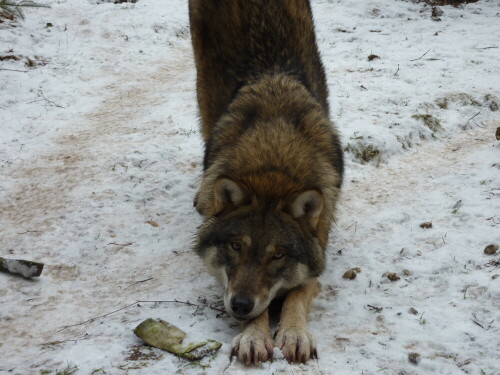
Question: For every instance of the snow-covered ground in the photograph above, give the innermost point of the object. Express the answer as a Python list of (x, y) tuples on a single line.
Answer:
[(100, 157)]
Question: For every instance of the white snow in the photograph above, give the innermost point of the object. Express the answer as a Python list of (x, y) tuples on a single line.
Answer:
[(100, 157)]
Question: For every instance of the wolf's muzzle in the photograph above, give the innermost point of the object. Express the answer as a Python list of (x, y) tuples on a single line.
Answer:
[(241, 306)]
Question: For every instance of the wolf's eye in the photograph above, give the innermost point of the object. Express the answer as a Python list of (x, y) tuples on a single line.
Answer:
[(235, 245), (278, 255)]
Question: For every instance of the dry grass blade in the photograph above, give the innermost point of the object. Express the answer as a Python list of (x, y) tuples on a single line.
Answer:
[(14, 8)]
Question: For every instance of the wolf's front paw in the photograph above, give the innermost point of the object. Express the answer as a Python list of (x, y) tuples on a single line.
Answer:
[(296, 344), (253, 346)]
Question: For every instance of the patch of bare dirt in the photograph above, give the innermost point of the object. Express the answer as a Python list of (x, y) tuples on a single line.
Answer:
[(455, 150), (45, 183)]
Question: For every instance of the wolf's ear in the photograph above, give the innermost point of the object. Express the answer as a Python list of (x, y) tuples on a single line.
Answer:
[(308, 205), (228, 193)]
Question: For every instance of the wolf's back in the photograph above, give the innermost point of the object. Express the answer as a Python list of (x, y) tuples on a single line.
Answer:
[(237, 41)]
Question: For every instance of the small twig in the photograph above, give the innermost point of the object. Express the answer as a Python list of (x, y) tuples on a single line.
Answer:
[(63, 341), (464, 363), (138, 282), (421, 56), (53, 103), (478, 324), (184, 303), (15, 70), (149, 165), (485, 47), (217, 309), (133, 303), (228, 365), (120, 244), (171, 301), (47, 101), (97, 317), (395, 74), (375, 308), (493, 263), (355, 225), (467, 123), (476, 321)]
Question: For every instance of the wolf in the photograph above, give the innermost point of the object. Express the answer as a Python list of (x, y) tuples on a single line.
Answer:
[(272, 168)]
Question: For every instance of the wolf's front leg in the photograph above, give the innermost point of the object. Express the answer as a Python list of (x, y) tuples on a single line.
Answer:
[(254, 344), (293, 337)]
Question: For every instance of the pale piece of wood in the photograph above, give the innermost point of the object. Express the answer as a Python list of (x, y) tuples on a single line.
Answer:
[(25, 268)]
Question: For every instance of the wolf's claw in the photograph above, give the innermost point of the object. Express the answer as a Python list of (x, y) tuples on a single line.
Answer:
[(296, 344), (314, 354), (252, 346)]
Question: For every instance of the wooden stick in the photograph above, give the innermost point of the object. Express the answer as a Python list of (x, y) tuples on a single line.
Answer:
[(25, 268), (421, 56)]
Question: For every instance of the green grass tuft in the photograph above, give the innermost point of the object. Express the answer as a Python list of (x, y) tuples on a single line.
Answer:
[(461, 99), (69, 370)]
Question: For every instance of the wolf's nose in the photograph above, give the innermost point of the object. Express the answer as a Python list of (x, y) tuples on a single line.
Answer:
[(241, 305)]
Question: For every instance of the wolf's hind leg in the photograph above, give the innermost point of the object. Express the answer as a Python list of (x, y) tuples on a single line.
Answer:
[(293, 337), (254, 344)]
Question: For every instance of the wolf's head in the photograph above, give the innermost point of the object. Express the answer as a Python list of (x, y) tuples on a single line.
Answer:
[(260, 249)]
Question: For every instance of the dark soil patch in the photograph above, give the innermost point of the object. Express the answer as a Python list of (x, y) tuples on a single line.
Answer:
[(455, 3), (10, 57), (364, 152), (137, 353), (116, 1), (6, 16), (492, 102), (430, 121)]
